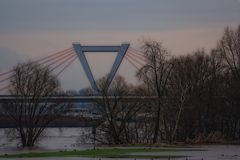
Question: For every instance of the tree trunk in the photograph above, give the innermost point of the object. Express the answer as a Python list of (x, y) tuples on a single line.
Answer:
[(157, 123)]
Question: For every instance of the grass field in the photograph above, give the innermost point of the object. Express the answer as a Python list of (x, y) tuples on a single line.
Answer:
[(106, 153)]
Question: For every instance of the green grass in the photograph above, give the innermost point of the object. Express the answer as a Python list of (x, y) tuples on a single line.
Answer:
[(103, 153)]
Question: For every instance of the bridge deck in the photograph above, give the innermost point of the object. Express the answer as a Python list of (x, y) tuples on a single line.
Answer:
[(76, 99)]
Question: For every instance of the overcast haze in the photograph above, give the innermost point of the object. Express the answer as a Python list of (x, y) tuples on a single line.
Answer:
[(31, 29)]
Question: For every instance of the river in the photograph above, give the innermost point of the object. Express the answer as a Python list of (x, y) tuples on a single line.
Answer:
[(53, 139)]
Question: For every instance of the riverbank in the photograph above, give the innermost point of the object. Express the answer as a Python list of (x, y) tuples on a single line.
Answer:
[(109, 153), (213, 152)]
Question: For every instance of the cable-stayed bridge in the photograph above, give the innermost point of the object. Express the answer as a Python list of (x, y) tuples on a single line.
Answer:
[(58, 62)]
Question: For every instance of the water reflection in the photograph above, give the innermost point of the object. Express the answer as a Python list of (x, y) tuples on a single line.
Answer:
[(54, 139)]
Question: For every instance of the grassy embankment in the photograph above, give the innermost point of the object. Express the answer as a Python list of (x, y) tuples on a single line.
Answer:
[(108, 153)]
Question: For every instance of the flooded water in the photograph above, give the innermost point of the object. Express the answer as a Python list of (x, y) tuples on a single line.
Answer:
[(75, 138), (53, 139), (205, 152), (214, 152)]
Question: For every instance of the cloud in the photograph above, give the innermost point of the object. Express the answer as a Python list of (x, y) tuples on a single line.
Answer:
[(106, 15)]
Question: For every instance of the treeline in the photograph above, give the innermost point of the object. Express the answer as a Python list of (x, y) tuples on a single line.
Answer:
[(198, 97)]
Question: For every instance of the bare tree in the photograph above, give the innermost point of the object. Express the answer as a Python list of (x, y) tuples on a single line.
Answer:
[(31, 116), (229, 48), (155, 74), (117, 114), (192, 81), (179, 89)]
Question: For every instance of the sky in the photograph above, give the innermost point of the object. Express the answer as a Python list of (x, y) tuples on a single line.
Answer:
[(31, 29)]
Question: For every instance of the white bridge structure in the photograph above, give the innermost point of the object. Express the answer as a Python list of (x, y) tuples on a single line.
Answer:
[(81, 50), (66, 57)]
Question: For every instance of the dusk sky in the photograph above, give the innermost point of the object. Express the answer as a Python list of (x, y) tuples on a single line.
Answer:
[(31, 29)]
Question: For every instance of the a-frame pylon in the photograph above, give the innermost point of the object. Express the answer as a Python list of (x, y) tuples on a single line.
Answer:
[(81, 50)]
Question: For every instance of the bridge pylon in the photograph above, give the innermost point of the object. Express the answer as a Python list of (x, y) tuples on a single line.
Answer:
[(119, 50)]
